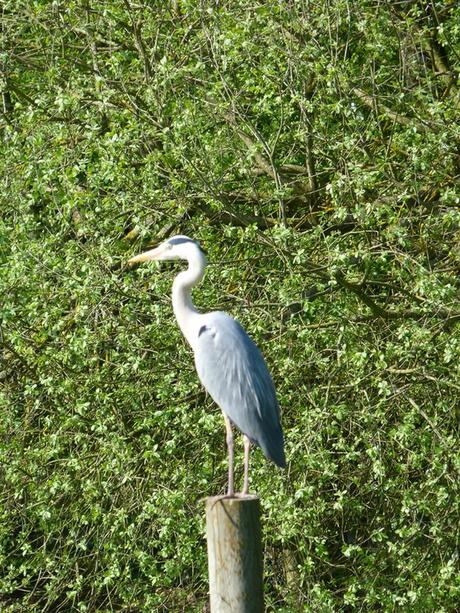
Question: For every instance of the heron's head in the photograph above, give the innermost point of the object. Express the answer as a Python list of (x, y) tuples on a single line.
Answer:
[(175, 248)]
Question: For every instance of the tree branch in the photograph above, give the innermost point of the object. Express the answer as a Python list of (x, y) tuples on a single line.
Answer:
[(372, 103), (261, 161), (358, 291)]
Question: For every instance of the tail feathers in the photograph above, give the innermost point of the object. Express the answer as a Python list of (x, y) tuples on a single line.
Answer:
[(274, 449), (278, 458)]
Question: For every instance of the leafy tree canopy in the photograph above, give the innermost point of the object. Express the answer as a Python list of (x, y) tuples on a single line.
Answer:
[(313, 148)]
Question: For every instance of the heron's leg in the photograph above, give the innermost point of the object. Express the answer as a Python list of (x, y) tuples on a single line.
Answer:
[(247, 447), (228, 426)]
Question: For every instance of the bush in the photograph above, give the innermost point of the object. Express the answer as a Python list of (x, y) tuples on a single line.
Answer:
[(313, 150)]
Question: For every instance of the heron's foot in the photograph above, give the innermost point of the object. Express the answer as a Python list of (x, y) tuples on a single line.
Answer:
[(243, 494), (235, 495), (223, 497)]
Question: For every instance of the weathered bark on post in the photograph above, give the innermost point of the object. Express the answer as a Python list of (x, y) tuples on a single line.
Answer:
[(234, 554)]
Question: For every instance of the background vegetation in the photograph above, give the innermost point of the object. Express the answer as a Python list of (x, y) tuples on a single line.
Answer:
[(313, 148)]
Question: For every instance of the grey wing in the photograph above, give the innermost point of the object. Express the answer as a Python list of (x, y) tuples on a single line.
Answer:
[(233, 371)]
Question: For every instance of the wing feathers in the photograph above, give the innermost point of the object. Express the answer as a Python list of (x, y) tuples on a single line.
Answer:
[(233, 371)]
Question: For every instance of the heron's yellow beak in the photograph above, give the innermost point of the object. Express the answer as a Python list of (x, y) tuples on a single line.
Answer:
[(153, 254)]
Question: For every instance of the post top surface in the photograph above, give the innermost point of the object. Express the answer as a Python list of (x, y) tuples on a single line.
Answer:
[(236, 499)]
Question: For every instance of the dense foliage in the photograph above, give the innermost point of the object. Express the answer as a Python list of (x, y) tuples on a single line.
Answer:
[(313, 147)]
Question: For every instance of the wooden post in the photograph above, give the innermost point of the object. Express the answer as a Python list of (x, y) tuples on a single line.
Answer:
[(234, 554)]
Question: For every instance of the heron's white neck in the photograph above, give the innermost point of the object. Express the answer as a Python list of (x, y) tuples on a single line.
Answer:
[(183, 307)]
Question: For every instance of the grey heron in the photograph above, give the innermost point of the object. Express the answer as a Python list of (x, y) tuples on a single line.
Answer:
[(229, 364)]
